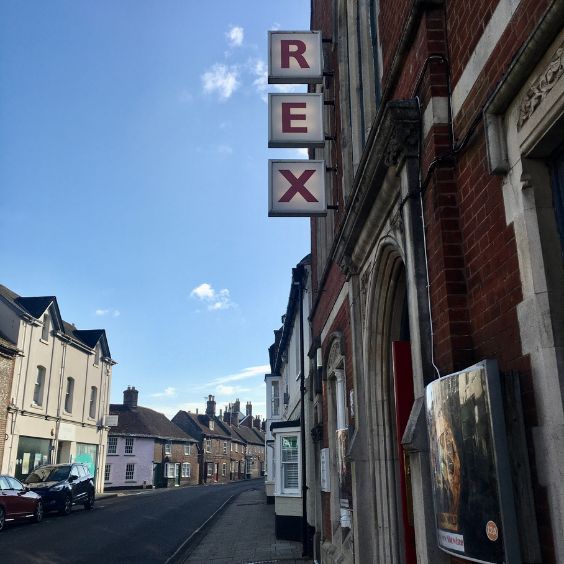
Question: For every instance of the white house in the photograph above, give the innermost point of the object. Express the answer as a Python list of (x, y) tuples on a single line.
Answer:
[(60, 391), (286, 413)]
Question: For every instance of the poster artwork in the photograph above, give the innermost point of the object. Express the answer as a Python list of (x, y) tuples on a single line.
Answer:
[(463, 467)]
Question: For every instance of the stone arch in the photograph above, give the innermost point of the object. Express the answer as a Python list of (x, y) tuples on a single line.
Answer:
[(385, 321)]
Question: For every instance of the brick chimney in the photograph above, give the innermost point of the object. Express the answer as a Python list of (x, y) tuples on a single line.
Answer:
[(235, 418), (227, 414), (210, 409), (237, 406), (257, 422), (130, 396), (249, 409)]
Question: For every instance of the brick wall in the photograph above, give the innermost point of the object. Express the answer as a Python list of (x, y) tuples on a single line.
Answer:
[(7, 355)]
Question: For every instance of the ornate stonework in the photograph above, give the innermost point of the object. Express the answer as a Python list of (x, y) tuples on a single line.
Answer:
[(541, 87), (403, 142)]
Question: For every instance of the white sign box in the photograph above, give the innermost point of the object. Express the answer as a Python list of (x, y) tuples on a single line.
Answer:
[(296, 188), (295, 57), (295, 120)]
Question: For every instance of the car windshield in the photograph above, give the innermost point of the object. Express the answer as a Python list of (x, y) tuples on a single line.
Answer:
[(48, 474)]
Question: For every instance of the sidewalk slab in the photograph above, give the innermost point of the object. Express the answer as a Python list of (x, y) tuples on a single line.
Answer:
[(243, 533)]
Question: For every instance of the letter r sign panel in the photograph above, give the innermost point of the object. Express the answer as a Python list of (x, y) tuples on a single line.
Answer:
[(294, 57), (296, 188), (295, 120)]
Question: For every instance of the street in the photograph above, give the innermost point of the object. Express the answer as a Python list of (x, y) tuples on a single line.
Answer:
[(144, 527)]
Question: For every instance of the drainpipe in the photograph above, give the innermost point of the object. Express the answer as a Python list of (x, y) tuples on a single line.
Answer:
[(299, 283)]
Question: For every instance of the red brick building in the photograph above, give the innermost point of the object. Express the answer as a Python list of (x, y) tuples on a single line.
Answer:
[(444, 124)]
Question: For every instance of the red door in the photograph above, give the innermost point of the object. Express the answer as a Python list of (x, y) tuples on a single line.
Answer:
[(403, 395)]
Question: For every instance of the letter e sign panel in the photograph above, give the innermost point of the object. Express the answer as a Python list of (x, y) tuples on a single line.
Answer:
[(296, 188), (294, 57), (295, 120)]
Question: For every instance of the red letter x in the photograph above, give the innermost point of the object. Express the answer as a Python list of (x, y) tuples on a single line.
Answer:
[(298, 53), (297, 185)]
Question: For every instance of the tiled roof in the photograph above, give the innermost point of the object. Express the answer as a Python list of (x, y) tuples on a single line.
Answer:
[(145, 422), (248, 435), (36, 307), (197, 424)]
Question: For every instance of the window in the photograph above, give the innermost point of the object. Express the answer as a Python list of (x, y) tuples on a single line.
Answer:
[(289, 461), (223, 469), (112, 445), (168, 470), (168, 448), (231, 447), (39, 386), (187, 449), (107, 472), (208, 445), (236, 447), (129, 445), (69, 395), (129, 471), (211, 425), (210, 469), (186, 470), (224, 447), (93, 400), (46, 327), (275, 398)]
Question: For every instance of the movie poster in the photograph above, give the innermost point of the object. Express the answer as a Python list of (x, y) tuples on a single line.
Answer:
[(463, 471)]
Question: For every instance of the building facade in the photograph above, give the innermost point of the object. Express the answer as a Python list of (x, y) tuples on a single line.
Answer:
[(146, 450), (59, 395), (442, 249), (287, 417), (8, 353)]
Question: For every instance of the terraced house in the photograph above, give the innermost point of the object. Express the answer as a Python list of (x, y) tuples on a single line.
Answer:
[(146, 450), (59, 393)]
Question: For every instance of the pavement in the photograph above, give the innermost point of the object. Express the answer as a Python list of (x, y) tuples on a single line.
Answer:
[(242, 532)]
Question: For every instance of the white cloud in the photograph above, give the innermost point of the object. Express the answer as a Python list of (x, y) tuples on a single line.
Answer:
[(105, 312), (222, 80), (169, 392), (215, 299), (244, 374), (259, 69), (235, 36), (303, 153)]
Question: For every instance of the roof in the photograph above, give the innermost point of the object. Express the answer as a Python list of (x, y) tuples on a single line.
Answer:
[(38, 305), (145, 422), (197, 424), (248, 435)]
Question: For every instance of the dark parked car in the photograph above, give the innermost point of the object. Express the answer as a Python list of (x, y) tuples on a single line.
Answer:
[(63, 485), (17, 502)]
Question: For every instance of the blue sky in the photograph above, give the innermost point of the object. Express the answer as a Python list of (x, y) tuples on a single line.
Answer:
[(133, 171)]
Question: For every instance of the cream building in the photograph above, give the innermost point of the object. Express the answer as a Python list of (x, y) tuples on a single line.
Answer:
[(59, 398)]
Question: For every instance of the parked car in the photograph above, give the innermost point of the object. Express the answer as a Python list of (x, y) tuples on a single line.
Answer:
[(18, 502), (63, 485)]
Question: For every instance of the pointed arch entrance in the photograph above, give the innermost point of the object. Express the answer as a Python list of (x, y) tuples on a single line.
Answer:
[(389, 385)]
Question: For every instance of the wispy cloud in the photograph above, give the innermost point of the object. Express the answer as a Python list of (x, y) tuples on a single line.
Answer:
[(107, 312), (169, 392), (259, 69), (222, 80), (225, 149), (235, 36), (214, 299), (244, 374)]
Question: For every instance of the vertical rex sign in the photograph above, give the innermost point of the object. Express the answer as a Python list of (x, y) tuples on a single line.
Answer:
[(296, 188)]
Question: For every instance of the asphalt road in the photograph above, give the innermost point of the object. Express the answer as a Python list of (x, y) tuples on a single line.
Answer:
[(145, 528)]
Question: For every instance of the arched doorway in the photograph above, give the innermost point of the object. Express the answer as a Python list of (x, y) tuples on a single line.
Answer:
[(390, 391)]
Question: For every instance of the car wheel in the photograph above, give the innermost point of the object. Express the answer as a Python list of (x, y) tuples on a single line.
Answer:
[(67, 505), (89, 503), (2, 518), (38, 514)]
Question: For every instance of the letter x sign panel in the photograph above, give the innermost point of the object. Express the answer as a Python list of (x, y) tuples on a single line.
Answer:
[(296, 188), (294, 57), (295, 120)]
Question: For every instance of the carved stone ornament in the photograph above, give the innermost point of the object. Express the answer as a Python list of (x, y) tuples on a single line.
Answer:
[(541, 87), (403, 143)]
